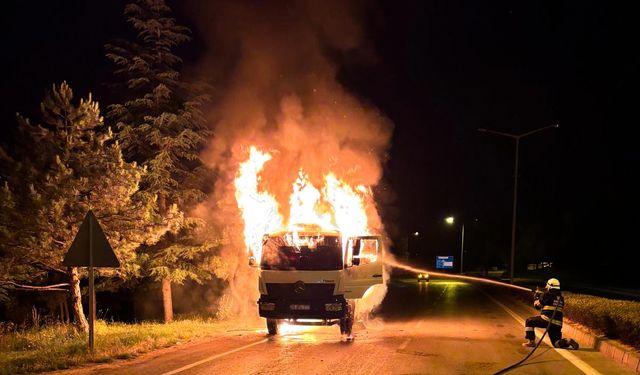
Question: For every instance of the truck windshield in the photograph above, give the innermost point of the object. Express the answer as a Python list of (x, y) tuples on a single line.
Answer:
[(308, 253)]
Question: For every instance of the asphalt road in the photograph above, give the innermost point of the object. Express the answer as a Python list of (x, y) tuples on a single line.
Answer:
[(443, 327)]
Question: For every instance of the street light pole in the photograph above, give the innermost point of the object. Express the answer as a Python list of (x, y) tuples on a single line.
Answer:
[(514, 213), (462, 250), (451, 220), (517, 138)]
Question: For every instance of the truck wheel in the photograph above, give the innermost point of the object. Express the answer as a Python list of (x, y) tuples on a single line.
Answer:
[(272, 326), (346, 323)]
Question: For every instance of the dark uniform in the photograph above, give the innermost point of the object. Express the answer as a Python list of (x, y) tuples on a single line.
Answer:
[(547, 303)]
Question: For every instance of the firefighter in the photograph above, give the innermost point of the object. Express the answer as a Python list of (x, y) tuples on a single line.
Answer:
[(547, 302)]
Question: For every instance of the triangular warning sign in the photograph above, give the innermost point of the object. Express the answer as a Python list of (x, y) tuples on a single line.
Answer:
[(90, 238)]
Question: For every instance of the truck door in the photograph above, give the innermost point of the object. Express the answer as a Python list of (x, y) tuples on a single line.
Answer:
[(363, 265)]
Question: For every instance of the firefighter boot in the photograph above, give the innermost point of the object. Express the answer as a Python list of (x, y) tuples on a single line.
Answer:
[(567, 343), (529, 344)]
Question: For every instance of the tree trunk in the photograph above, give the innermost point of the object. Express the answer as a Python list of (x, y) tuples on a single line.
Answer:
[(61, 310), (167, 302), (66, 311), (76, 300), (162, 203)]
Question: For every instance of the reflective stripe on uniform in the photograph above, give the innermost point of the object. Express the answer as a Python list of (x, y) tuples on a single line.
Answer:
[(551, 308), (554, 321)]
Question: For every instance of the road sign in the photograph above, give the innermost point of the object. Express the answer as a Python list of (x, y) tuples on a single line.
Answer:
[(90, 249), (444, 262)]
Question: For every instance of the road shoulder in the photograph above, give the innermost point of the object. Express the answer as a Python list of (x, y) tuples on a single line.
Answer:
[(175, 356), (589, 355)]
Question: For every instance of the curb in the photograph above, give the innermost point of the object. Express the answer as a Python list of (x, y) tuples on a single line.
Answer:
[(586, 338), (613, 349)]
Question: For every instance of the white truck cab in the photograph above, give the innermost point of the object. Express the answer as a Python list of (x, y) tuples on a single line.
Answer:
[(311, 277)]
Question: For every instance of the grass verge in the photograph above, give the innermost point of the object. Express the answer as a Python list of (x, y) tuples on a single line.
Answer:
[(62, 346)]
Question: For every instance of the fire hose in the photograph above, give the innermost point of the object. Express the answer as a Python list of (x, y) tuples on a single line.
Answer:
[(520, 362)]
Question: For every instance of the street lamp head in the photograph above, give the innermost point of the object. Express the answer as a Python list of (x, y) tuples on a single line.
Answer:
[(416, 234), (449, 220), (557, 126)]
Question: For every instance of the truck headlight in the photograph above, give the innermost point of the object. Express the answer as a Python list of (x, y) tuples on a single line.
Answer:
[(333, 306), (267, 306)]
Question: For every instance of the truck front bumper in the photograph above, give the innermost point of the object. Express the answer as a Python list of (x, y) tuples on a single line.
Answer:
[(275, 308)]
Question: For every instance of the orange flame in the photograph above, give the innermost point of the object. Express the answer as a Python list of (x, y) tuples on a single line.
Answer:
[(306, 206), (337, 206), (348, 206), (259, 209)]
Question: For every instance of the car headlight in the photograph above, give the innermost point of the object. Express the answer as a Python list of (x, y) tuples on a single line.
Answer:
[(267, 306)]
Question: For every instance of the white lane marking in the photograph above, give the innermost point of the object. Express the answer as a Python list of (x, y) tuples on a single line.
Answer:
[(580, 364), (208, 359), (404, 344)]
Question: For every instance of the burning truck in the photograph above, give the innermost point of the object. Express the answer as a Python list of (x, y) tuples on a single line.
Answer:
[(317, 263), (311, 276)]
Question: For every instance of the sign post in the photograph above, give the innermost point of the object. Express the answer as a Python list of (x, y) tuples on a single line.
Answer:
[(92, 292), (91, 249)]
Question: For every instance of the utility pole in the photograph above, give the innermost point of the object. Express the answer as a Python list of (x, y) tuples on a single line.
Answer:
[(451, 220), (517, 138), (462, 249)]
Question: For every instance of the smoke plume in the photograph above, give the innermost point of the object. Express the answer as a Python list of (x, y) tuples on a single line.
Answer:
[(274, 68)]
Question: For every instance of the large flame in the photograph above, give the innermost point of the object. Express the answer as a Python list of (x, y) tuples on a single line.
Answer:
[(336, 206), (259, 209)]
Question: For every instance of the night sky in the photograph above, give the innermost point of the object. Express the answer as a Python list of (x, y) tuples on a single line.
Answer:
[(443, 69)]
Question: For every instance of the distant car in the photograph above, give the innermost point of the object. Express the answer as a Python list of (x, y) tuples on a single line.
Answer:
[(423, 277)]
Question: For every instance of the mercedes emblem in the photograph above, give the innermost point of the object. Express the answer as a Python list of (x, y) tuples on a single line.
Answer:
[(298, 287)]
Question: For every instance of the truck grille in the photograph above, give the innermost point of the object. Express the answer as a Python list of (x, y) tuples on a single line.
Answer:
[(295, 291)]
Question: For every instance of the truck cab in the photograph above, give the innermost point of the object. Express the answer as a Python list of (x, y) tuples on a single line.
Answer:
[(313, 277)]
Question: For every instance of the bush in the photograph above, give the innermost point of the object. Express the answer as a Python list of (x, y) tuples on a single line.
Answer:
[(617, 319)]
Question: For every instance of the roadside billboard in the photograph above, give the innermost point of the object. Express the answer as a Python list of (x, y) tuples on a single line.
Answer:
[(444, 262)]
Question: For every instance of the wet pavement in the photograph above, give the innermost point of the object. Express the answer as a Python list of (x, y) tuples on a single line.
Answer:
[(440, 327)]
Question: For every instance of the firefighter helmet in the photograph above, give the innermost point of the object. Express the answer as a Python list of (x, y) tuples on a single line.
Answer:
[(553, 284)]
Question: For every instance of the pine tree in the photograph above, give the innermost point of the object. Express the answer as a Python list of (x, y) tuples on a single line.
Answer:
[(59, 171), (8, 276), (161, 126)]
